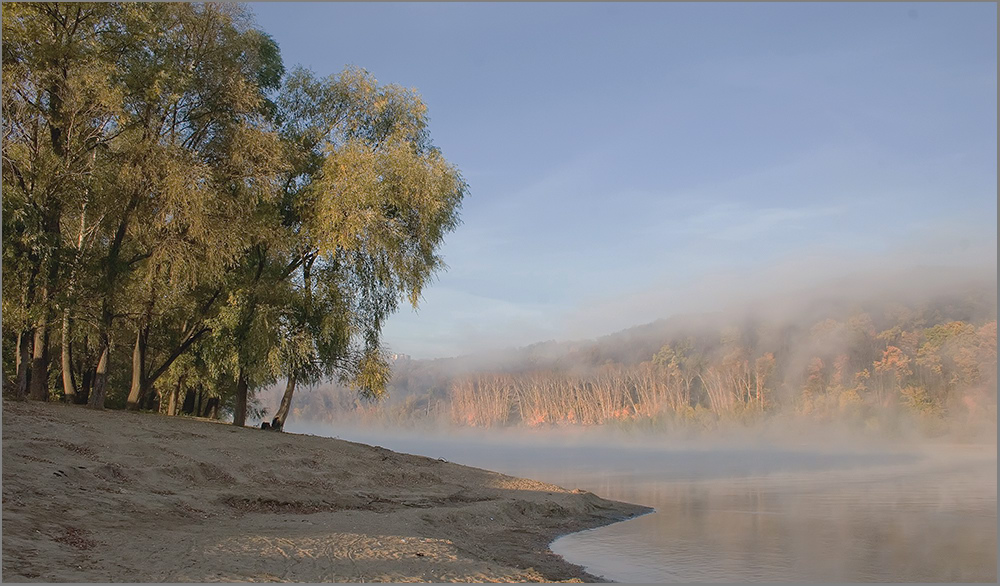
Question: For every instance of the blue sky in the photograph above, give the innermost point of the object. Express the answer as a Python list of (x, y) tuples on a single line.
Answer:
[(625, 159)]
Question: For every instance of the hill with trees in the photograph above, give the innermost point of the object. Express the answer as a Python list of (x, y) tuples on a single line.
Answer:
[(925, 357)]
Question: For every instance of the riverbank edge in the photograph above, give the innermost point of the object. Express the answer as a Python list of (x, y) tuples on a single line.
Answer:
[(83, 487), (583, 569)]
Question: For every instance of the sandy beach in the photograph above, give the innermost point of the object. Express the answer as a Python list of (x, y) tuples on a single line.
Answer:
[(117, 496)]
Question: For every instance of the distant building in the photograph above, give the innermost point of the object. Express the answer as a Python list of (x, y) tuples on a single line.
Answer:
[(397, 357)]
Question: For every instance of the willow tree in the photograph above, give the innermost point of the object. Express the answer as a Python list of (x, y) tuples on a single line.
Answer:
[(191, 161), (159, 190), (140, 131), (216, 161), (60, 109), (366, 202)]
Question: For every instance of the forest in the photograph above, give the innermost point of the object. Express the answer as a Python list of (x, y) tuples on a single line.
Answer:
[(876, 365), (186, 222)]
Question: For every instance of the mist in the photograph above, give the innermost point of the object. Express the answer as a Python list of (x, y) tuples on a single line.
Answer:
[(927, 263), (773, 504), (870, 457), (605, 299), (885, 350)]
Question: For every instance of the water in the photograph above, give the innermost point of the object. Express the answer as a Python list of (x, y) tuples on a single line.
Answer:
[(926, 521), (753, 513)]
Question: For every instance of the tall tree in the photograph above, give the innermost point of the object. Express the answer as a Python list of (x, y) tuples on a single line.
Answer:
[(366, 203), (193, 159), (161, 191), (59, 111)]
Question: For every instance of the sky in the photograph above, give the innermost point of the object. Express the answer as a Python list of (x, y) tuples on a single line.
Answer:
[(631, 161)]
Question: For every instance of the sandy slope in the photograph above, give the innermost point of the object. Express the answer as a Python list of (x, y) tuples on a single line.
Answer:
[(116, 496)]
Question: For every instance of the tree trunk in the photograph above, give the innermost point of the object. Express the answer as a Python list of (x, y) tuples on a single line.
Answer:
[(149, 400), (212, 408), (69, 385), (40, 364), (172, 404), (188, 405), (69, 389), (88, 386), (286, 401), (100, 390), (23, 359), (138, 390), (152, 375), (240, 410)]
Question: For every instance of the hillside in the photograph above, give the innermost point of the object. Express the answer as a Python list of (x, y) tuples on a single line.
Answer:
[(871, 355)]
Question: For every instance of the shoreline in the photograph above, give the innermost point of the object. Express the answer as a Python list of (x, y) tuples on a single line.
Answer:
[(122, 496)]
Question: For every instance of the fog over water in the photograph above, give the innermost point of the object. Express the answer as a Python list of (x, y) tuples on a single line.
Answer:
[(929, 520), (784, 495), (820, 274), (749, 506)]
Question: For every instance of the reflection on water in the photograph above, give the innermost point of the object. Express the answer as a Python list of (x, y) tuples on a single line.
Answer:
[(753, 514), (934, 522)]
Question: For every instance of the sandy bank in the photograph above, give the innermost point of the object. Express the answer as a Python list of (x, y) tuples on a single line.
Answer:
[(116, 496)]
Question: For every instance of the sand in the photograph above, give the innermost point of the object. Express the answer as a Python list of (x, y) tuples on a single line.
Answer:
[(117, 496)]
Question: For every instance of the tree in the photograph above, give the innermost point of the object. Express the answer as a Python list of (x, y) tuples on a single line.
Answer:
[(197, 160), (684, 363), (60, 109), (890, 373), (366, 202), (160, 190), (165, 164), (140, 129), (763, 367)]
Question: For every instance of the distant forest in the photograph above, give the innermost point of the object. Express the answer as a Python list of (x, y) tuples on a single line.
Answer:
[(873, 364)]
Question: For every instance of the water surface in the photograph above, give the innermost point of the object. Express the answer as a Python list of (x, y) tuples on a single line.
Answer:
[(754, 513), (928, 521)]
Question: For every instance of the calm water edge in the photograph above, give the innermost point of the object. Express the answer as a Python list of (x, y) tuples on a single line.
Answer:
[(753, 513)]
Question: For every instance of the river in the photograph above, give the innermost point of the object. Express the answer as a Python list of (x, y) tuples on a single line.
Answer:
[(749, 512)]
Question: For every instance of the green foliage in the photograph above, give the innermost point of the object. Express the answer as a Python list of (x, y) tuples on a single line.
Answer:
[(169, 187)]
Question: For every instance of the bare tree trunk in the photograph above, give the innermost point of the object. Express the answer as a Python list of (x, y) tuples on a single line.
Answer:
[(69, 386), (69, 389), (23, 359), (138, 390), (100, 389), (240, 410), (286, 401), (153, 374), (172, 405), (40, 364)]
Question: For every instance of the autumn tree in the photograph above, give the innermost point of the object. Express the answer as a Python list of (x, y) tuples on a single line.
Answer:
[(168, 188), (60, 111), (365, 204), (195, 161)]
